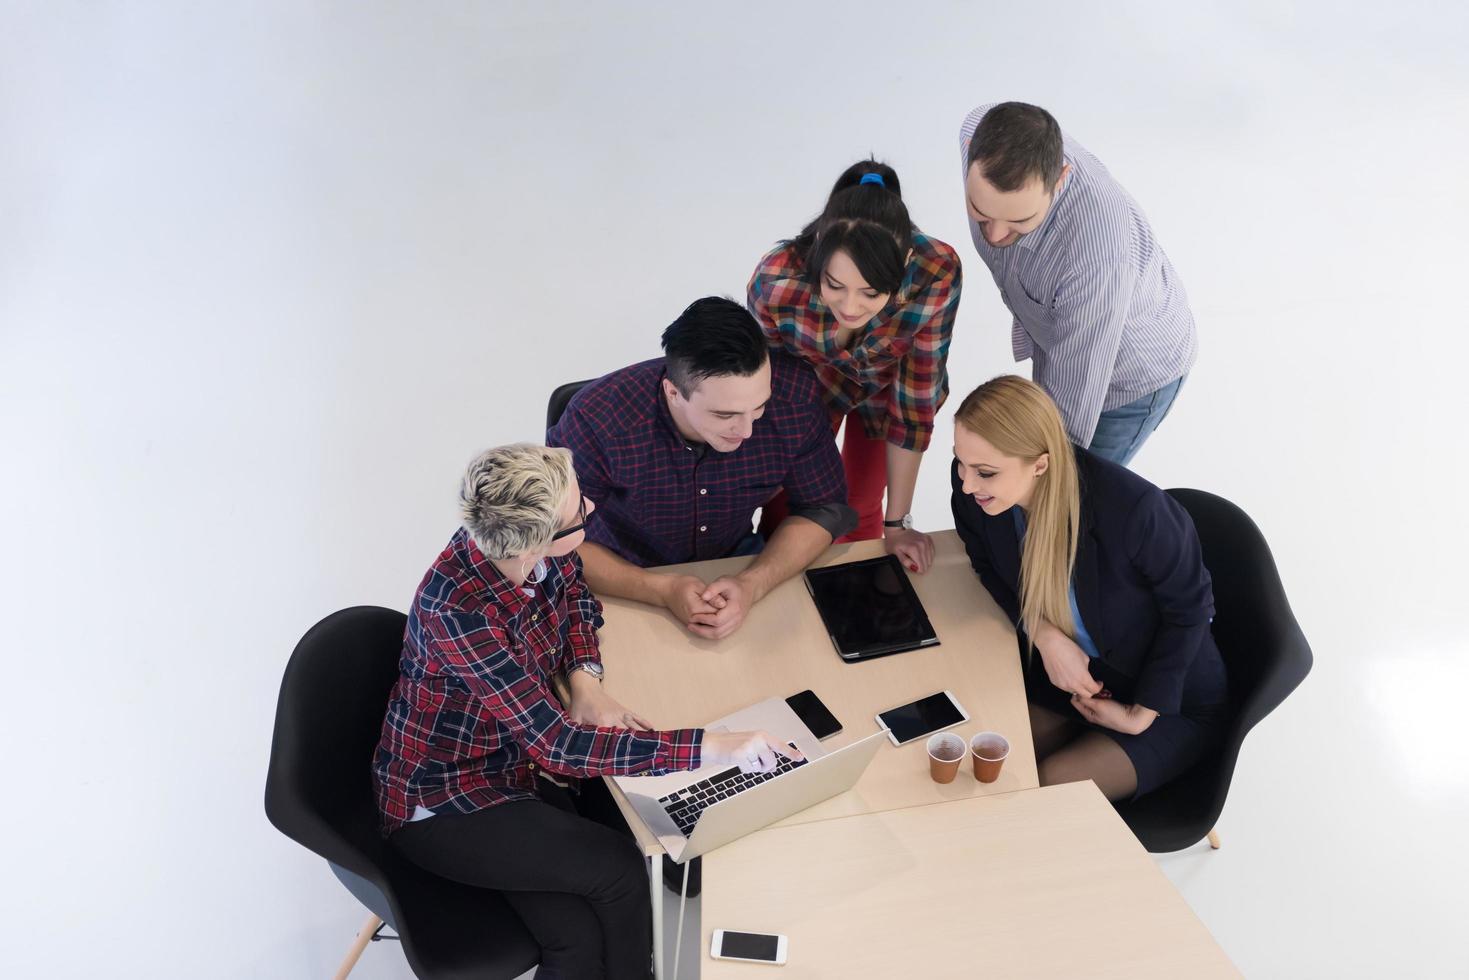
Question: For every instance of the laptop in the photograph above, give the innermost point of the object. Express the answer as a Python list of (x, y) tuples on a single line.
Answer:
[(692, 813), (869, 608)]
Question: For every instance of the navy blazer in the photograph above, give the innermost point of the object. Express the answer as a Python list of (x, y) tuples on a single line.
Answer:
[(1141, 585)]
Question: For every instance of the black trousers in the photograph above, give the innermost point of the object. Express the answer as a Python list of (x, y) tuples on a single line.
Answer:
[(580, 887)]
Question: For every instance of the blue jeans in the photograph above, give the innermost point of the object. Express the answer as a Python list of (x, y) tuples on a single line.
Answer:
[(1122, 431)]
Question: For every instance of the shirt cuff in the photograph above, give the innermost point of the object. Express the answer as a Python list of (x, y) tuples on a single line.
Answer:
[(834, 518), (909, 436), (582, 649), (682, 749)]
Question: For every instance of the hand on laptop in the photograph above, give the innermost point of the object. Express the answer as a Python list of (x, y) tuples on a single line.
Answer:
[(751, 751)]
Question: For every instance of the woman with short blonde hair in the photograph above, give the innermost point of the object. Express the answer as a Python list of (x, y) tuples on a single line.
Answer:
[(474, 723), (1102, 575)]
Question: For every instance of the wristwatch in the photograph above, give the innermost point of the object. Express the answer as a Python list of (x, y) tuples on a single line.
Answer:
[(905, 522), (594, 669)]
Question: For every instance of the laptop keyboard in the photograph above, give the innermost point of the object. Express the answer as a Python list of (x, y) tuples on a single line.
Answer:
[(687, 805)]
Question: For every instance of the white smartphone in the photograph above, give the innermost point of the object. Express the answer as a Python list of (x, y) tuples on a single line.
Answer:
[(919, 719), (748, 947)]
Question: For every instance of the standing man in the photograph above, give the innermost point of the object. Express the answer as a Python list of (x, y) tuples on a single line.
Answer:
[(1096, 303)]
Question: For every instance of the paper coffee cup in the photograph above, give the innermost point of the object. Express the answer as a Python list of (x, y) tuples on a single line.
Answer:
[(989, 751), (945, 752)]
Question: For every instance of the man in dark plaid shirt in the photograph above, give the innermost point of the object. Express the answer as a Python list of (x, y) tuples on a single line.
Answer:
[(679, 453)]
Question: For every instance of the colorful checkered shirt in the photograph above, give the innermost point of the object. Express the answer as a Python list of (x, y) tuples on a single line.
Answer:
[(473, 713), (661, 502), (895, 376)]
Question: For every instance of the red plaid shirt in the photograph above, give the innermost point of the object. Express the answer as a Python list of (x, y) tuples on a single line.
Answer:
[(895, 376), (473, 713)]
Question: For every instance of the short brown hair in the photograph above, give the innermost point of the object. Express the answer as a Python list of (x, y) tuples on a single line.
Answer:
[(1016, 142)]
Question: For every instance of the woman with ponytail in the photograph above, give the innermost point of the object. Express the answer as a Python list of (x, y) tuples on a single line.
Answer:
[(1101, 573), (868, 301)]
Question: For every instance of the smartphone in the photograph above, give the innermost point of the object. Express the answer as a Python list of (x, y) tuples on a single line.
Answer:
[(814, 715), (917, 719), (748, 947)]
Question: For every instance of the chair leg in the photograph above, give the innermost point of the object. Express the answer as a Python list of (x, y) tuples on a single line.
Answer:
[(1214, 839), (364, 936)]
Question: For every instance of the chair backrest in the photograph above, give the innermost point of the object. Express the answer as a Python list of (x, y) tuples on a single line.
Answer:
[(1263, 647), (318, 789), (560, 398), (1263, 650), (319, 792)]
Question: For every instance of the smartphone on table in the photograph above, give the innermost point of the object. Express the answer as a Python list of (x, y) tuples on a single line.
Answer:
[(748, 947), (919, 719), (814, 715)]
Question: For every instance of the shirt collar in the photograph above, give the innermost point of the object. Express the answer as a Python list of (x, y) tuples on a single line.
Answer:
[(497, 587), (1033, 240)]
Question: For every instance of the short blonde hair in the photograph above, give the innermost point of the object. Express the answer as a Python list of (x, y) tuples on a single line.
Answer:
[(512, 496)]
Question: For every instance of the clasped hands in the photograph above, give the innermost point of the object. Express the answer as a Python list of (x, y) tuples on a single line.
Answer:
[(1068, 667), (712, 611)]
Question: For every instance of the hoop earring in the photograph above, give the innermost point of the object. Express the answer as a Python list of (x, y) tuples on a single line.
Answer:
[(537, 574)]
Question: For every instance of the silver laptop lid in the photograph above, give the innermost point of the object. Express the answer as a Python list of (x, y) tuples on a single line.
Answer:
[(772, 715), (762, 805)]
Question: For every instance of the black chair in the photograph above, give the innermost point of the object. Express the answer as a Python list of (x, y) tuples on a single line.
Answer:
[(560, 398), (1265, 652), (319, 793)]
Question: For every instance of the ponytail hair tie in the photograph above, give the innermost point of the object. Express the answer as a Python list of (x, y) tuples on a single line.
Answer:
[(872, 179)]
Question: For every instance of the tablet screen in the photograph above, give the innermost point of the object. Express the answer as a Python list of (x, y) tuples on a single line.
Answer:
[(870, 608)]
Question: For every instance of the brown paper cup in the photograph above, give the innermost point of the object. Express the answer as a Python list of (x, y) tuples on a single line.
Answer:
[(945, 752), (989, 751)]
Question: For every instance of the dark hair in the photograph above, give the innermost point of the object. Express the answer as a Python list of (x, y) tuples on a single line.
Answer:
[(712, 338), (867, 221), (1016, 142)]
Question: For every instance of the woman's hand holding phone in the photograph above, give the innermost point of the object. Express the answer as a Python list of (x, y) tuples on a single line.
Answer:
[(1067, 664)]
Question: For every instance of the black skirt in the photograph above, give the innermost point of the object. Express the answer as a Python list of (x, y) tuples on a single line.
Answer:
[(1172, 744)]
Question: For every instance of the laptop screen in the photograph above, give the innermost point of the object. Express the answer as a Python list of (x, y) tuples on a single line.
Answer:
[(869, 608)]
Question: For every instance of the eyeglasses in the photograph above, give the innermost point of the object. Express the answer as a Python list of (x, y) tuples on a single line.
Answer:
[(581, 522)]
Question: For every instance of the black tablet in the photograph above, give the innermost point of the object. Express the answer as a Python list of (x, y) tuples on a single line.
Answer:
[(869, 608)]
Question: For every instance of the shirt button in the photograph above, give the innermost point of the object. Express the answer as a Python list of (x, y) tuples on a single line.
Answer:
[(703, 527), (702, 492)]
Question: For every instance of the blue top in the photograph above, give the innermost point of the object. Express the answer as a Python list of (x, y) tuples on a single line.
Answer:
[(1083, 638), (1140, 583)]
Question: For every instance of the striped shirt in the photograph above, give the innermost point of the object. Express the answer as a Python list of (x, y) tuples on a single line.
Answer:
[(895, 374), (1096, 303)]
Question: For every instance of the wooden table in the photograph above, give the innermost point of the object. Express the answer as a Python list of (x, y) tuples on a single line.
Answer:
[(677, 680), (1045, 883)]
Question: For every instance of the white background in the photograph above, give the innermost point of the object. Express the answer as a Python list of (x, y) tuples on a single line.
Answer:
[(270, 275)]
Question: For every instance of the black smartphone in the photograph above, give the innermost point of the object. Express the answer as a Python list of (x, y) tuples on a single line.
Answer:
[(815, 715)]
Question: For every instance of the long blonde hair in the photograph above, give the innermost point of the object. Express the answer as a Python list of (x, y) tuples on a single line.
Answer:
[(1019, 419)]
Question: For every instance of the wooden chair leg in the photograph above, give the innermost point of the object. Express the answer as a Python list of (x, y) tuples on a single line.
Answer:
[(364, 936), (1214, 839)]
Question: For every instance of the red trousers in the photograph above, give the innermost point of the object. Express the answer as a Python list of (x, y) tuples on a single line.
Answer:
[(866, 464)]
